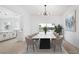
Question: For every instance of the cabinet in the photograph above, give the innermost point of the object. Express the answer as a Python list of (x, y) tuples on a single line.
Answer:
[(7, 35)]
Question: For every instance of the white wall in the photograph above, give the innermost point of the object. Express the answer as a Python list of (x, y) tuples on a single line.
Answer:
[(73, 37), (8, 17), (35, 20), (24, 19), (13, 23)]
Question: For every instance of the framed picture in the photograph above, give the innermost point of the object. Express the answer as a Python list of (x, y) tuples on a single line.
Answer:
[(70, 23)]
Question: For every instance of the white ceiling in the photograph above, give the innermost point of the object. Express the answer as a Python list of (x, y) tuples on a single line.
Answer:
[(53, 10)]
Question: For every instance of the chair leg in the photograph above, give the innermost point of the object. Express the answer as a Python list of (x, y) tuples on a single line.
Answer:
[(60, 48), (54, 48), (36, 47), (27, 47), (33, 48)]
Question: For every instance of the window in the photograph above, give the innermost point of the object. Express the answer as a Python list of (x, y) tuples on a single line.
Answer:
[(50, 27)]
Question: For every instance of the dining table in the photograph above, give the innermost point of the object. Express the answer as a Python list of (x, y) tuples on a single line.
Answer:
[(44, 39)]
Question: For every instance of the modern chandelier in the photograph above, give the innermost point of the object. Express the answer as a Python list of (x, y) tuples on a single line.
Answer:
[(45, 11)]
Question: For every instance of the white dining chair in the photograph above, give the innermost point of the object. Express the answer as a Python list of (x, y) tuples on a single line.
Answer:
[(36, 43), (31, 43), (28, 42), (58, 43)]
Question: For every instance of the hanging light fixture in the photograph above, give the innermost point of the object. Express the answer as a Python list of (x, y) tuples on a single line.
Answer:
[(45, 11)]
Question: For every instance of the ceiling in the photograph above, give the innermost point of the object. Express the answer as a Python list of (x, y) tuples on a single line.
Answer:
[(37, 10), (52, 10)]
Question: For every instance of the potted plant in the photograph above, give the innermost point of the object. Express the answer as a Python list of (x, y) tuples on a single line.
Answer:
[(58, 29), (45, 29)]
